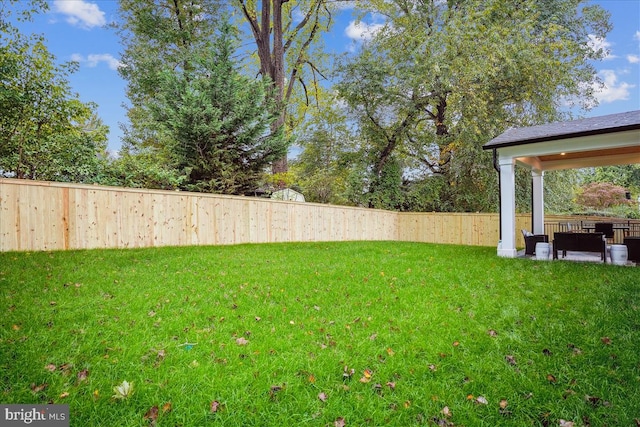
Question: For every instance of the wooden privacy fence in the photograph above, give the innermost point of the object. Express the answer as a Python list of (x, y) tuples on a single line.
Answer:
[(37, 215), (48, 216)]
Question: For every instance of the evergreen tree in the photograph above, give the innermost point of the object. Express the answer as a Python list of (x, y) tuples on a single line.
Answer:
[(217, 121)]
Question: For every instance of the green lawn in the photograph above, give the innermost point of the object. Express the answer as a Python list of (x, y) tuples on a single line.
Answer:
[(321, 334)]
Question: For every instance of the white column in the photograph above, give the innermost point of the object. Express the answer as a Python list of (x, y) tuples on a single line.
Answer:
[(538, 201), (507, 248)]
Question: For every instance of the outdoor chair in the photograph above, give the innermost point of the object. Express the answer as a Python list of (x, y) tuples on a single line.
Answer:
[(530, 241), (633, 248), (605, 228)]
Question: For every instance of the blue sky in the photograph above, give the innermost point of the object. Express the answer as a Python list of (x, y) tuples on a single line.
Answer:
[(75, 30)]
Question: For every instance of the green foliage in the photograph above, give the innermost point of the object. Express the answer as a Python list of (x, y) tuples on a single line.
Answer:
[(322, 168), (443, 78), (46, 132), (268, 335), (627, 176), (559, 191), (385, 189), (218, 121), (158, 35), (191, 107), (140, 170)]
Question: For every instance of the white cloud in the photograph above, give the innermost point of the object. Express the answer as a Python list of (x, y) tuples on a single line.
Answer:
[(361, 30), (80, 13), (598, 44), (345, 5), (93, 59), (612, 90), (633, 59), (637, 35)]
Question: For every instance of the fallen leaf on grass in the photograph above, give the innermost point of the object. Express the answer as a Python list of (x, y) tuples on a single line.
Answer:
[(82, 375), (482, 400), (123, 391), (51, 367), (441, 422), (322, 397), (37, 388), (551, 378), (64, 394), (215, 406), (503, 408), (166, 407), (339, 422), (446, 412), (65, 368), (547, 352), (492, 333), (275, 389), (564, 423), (348, 372), (596, 401), (391, 385), (576, 350), (606, 340), (152, 414), (511, 360), (366, 377), (242, 341)]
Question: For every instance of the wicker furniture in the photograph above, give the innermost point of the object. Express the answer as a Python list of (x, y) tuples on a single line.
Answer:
[(633, 248), (579, 242), (531, 240)]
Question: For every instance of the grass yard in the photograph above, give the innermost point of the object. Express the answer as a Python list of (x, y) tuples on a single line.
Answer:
[(320, 334)]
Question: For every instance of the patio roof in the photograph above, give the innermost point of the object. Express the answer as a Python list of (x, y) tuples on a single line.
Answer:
[(597, 141)]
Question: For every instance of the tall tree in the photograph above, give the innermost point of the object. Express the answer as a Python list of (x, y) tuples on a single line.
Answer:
[(284, 32), (218, 121), (158, 35), (443, 77), (46, 132)]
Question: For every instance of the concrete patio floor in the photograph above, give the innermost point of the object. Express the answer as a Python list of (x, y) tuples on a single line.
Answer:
[(575, 256)]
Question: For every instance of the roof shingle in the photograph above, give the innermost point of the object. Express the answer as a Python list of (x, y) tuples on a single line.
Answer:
[(564, 130)]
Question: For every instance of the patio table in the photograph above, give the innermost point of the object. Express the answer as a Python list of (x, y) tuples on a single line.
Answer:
[(590, 227)]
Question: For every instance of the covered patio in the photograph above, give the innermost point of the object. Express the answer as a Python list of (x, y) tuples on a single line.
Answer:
[(598, 141)]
